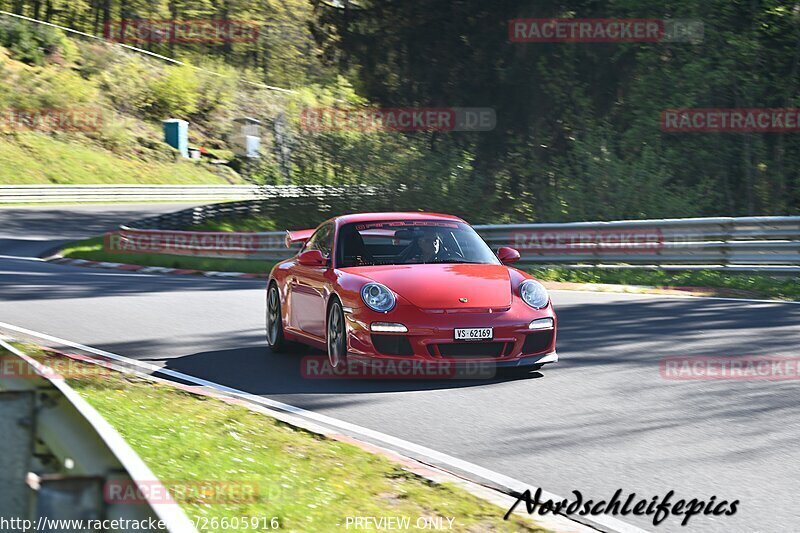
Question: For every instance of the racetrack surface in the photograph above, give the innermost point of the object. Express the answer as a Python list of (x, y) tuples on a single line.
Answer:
[(602, 419)]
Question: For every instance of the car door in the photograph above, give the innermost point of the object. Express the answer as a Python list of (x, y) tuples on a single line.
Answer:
[(308, 286)]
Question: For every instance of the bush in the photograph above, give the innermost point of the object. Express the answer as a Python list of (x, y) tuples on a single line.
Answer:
[(31, 44), (127, 84), (175, 94), (216, 90), (5, 88), (95, 59), (60, 88), (47, 87)]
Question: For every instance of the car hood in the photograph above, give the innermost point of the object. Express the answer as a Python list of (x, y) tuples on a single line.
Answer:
[(442, 286)]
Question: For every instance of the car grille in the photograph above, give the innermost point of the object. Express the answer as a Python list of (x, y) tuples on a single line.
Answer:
[(392, 344), (537, 342), (470, 349)]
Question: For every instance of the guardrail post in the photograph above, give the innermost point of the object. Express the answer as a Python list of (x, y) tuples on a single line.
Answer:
[(16, 427), (728, 232), (197, 216), (68, 497), (54, 464)]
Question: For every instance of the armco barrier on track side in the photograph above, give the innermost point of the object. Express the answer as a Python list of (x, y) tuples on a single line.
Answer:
[(769, 244), (730, 243), (28, 194), (59, 453)]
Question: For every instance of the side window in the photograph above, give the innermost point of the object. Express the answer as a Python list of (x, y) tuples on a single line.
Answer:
[(321, 240)]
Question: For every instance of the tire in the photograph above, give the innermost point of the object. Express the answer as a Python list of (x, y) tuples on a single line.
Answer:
[(336, 336), (275, 339)]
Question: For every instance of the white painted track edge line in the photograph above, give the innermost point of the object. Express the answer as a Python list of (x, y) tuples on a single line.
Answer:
[(607, 523)]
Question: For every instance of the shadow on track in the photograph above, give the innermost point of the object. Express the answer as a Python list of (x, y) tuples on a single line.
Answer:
[(258, 371)]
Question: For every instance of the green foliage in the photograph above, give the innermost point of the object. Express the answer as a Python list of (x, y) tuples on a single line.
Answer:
[(216, 90), (238, 224), (33, 44), (127, 82), (47, 87), (95, 58), (32, 158), (578, 131), (59, 88), (136, 85), (6, 90), (175, 94)]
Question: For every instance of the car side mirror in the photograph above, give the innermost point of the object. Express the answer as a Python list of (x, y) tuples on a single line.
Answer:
[(313, 258), (507, 255)]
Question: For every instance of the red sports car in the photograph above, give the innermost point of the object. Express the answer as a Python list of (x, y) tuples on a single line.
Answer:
[(408, 286)]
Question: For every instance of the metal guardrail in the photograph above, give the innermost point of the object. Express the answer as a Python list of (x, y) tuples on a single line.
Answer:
[(723, 243), (58, 455), (305, 200), (731, 243), (11, 194)]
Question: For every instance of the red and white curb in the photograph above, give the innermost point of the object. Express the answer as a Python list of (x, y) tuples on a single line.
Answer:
[(152, 269)]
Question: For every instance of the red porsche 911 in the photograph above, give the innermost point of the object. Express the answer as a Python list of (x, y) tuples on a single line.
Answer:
[(408, 286)]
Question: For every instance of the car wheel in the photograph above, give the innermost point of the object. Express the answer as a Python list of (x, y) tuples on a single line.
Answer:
[(275, 338), (337, 336)]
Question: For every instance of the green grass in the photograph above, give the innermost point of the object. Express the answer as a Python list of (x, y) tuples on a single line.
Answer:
[(310, 483), (237, 224), (746, 284), (93, 250), (38, 159)]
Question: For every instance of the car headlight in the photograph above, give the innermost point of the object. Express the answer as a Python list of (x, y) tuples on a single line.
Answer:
[(378, 297), (534, 293)]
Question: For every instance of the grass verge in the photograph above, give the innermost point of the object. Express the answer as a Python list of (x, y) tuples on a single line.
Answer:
[(36, 159), (306, 481), (93, 250), (745, 285), (237, 224)]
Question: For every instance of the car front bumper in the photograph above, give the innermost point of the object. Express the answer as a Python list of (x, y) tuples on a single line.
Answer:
[(430, 336)]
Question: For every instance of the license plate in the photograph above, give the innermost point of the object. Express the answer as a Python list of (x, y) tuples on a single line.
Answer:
[(473, 334)]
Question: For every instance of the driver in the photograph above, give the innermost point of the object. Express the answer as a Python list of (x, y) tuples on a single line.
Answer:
[(429, 246), (427, 249)]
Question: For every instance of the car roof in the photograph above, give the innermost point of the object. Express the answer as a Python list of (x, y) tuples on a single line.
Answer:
[(376, 217)]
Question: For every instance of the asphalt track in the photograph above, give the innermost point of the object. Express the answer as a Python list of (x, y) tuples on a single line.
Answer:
[(602, 419)]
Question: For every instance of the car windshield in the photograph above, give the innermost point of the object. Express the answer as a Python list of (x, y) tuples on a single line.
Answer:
[(409, 242)]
